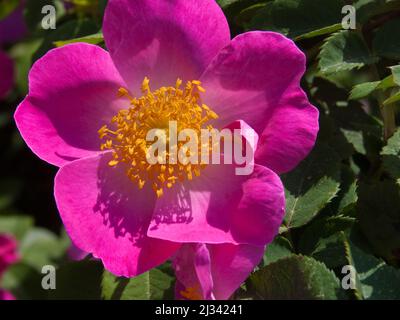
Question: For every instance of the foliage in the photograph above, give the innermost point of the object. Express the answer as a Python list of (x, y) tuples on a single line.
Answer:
[(342, 201)]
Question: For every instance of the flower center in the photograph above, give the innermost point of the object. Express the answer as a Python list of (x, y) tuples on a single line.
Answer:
[(127, 132)]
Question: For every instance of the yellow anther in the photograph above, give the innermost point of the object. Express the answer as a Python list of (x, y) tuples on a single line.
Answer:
[(122, 92), (126, 134), (192, 293), (113, 163)]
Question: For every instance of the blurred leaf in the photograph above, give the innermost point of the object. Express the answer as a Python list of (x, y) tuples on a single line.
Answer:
[(396, 74), (391, 156), (374, 278), (226, 3), (70, 30), (367, 9), (320, 32), (22, 54), (93, 39), (17, 225), (152, 285), (295, 277), (78, 281), (386, 42), (244, 16), (393, 99), (6, 7), (378, 210), (344, 50), (41, 247), (299, 18), (347, 197), (311, 186), (278, 249), (24, 282)]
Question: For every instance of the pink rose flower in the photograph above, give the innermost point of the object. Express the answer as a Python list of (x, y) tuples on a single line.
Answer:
[(5, 295), (6, 74), (169, 60), (8, 256)]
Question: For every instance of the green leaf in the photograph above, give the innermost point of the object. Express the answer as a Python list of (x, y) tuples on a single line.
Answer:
[(320, 32), (386, 40), (299, 18), (331, 251), (78, 281), (396, 74), (311, 186), (226, 3), (244, 16), (393, 99), (24, 282), (278, 249), (375, 280), (295, 277), (152, 285), (322, 229), (7, 7), (378, 210), (41, 247), (93, 39), (391, 156), (344, 50), (22, 54), (363, 90), (17, 225)]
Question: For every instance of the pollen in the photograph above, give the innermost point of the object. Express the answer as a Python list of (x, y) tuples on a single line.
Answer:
[(192, 293), (126, 134)]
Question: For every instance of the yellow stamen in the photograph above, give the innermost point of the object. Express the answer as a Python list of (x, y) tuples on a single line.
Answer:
[(126, 134), (192, 293)]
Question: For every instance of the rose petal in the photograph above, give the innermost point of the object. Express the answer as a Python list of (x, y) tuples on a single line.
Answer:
[(221, 207), (76, 254), (163, 40), (193, 272), (257, 78), (231, 265), (72, 94), (105, 214), (213, 271)]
